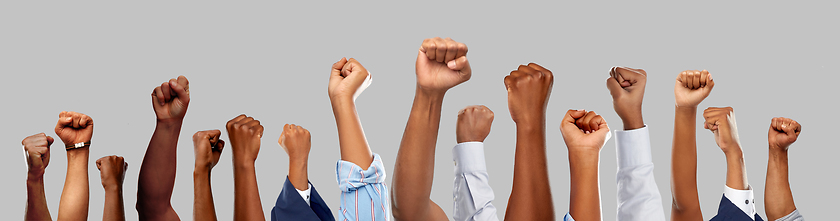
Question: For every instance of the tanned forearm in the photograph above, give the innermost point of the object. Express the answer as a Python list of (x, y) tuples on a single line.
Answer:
[(298, 173), (585, 203), (203, 205), (76, 194), (351, 137), (530, 175), (114, 207), (157, 173), (686, 202), (36, 200), (736, 171), (247, 205), (778, 198)]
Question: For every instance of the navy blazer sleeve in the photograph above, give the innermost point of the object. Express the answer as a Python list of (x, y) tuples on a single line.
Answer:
[(290, 206), (727, 211)]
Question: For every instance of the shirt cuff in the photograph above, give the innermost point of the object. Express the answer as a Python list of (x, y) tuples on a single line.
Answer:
[(568, 217), (743, 199), (305, 193), (633, 147), (469, 157)]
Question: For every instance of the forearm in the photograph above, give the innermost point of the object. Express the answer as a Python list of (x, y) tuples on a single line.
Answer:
[(76, 193), (203, 206), (530, 197), (157, 173), (686, 202), (246, 203), (298, 173), (736, 171), (114, 208), (351, 137), (36, 200), (778, 198), (585, 198)]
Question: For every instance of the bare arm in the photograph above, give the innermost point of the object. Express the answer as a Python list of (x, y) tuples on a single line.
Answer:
[(37, 149), (112, 171), (686, 203), (245, 134), (585, 133), (346, 78), (74, 128), (208, 149), (778, 198)]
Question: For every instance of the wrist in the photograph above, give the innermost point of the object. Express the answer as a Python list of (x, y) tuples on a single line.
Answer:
[(341, 101), (733, 151), (686, 108), (34, 179), (78, 153), (243, 164), (632, 123), (112, 187), (202, 168), (432, 93), (169, 123)]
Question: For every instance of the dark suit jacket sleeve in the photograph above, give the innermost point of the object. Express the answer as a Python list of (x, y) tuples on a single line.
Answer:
[(727, 211), (290, 206)]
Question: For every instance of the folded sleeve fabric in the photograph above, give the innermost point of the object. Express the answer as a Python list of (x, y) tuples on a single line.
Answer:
[(472, 192), (568, 217), (729, 211), (291, 205), (364, 195), (638, 195), (793, 216)]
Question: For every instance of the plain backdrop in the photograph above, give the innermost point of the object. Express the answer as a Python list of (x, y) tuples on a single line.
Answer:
[(271, 60)]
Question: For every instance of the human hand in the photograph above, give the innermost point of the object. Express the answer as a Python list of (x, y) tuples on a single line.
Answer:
[(441, 64), (692, 87), (528, 90), (112, 170), (584, 131), (245, 134), (627, 87), (473, 124), (73, 128), (170, 99), (347, 80), (208, 148), (296, 141), (721, 121), (783, 132), (37, 149)]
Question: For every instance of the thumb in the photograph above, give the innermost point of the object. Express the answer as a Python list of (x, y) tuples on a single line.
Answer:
[(460, 64), (614, 87), (568, 123)]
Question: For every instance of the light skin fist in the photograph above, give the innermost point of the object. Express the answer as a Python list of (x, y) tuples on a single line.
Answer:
[(783, 132), (245, 133), (208, 148), (296, 141), (721, 121), (112, 170), (584, 131), (73, 128), (442, 64), (473, 124), (346, 77), (170, 99), (627, 87), (692, 87), (528, 90), (37, 149)]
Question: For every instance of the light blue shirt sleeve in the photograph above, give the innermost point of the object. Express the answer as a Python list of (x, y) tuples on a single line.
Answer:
[(364, 195), (793, 216), (568, 217), (472, 192), (638, 195)]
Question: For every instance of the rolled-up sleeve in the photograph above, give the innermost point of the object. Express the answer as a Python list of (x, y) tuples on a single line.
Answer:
[(638, 195), (364, 194), (472, 192)]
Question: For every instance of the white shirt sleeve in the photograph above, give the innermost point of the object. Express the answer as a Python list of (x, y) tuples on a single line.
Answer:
[(472, 192), (305, 193), (743, 199), (638, 195)]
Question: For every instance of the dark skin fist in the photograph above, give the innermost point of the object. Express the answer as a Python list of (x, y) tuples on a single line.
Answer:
[(528, 90), (783, 132), (442, 64), (171, 98), (627, 87), (37, 149), (245, 133), (296, 141), (112, 169), (692, 87), (73, 128), (208, 148), (473, 124), (721, 121), (584, 131)]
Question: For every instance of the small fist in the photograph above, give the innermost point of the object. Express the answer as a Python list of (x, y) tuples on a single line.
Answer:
[(783, 132), (208, 148), (442, 64), (473, 124), (528, 90), (627, 87), (74, 128), (348, 79), (170, 99), (692, 87), (296, 141), (584, 131), (112, 169), (37, 149), (245, 134), (721, 121)]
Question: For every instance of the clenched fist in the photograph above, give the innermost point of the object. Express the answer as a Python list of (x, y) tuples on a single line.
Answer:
[(584, 131), (528, 90), (783, 132), (37, 149), (627, 87), (296, 141), (73, 128), (347, 80), (245, 134), (170, 99), (112, 170), (208, 148), (721, 121), (442, 64), (692, 87), (473, 124)]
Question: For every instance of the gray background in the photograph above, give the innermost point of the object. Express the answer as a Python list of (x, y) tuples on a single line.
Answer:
[(272, 60)]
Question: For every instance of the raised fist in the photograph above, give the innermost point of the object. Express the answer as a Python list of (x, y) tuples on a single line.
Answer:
[(692, 87), (170, 99), (73, 128), (348, 79), (37, 149), (245, 134), (296, 141), (442, 64), (627, 87), (721, 121), (208, 148), (112, 169), (584, 131), (528, 90), (473, 124), (783, 132)]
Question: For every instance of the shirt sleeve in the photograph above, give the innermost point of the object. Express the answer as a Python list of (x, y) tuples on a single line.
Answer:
[(364, 195), (743, 199), (568, 217), (793, 216), (638, 195), (472, 192), (305, 193)]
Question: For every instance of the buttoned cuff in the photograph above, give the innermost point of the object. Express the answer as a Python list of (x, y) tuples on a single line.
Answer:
[(743, 199), (305, 193), (469, 157), (633, 147)]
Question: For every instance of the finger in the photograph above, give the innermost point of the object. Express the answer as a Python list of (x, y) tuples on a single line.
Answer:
[(584, 121), (99, 163), (233, 121), (282, 140), (440, 51), (509, 81), (704, 77), (183, 81), (220, 145), (599, 124), (796, 127), (430, 48), (167, 92), (451, 50), (337, 66), (50, 141), (76, 119), (64, 120), (260, 130), (85, 121), (683, 79), (540, 71), (462, 50), (214, 134), (180, 91), (628, 76), (614, 87), (568, 123), (157, 96), (696, 79), (709, 82)]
